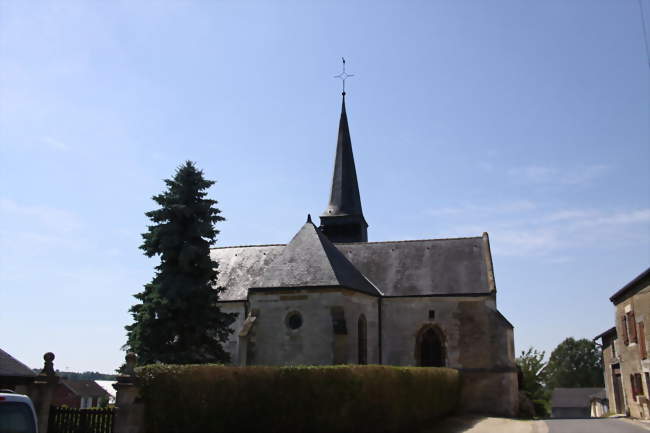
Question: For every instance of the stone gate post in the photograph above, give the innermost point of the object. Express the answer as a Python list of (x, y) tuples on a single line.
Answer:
[(42, 390), (129, 416)]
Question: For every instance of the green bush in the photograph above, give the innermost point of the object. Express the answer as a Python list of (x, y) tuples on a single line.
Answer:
[(216, 398), (542, 409)]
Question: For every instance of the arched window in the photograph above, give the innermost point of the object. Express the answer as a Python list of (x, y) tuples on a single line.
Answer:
[(363, 340), (431, 349)]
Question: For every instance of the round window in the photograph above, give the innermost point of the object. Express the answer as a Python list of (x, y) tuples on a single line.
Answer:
[(294, 320)]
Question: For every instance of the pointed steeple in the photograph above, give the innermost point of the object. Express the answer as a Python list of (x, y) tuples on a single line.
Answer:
[(343, 219)]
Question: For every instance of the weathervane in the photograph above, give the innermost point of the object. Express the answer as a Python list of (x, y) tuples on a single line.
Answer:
[(343, 75)]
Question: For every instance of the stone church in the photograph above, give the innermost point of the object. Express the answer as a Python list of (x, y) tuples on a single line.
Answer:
[(331, 297)]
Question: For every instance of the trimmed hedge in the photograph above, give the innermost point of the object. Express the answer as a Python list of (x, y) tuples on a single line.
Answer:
[(373, 398)]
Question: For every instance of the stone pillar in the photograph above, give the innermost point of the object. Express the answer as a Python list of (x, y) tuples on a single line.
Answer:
[(42, 390), (129, 415)]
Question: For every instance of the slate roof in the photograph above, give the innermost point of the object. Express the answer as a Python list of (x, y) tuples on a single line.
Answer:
[(428, 267), (311, 260), (85, 388), (10, 366), (573, 397), (344, 196)]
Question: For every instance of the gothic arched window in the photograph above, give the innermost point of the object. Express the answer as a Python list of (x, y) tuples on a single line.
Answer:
[(362, 335)]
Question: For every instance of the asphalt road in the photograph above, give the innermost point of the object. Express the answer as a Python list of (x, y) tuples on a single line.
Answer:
[(595, 425)]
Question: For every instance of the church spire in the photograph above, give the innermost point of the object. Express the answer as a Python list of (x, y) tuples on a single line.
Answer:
[(343, 219)]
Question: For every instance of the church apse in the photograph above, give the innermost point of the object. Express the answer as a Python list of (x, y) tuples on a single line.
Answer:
[(312, 326)]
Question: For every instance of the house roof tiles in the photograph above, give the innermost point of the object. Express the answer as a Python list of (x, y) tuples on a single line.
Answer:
[(10, 366), (85, 388), (630, 287)]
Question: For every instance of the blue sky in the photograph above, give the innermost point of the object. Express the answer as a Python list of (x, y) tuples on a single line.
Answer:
[(526, 119)]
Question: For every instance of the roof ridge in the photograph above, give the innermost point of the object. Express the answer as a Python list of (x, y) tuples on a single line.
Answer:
[(410, 240), (353, 243), (324, 240), (248, 246)]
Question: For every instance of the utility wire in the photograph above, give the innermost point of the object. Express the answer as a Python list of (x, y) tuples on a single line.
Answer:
[(645, 32)]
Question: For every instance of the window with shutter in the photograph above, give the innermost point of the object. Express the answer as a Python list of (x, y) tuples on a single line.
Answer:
[(639, 384), (633, 386), (626, 339), (631, 324), (642, 347)]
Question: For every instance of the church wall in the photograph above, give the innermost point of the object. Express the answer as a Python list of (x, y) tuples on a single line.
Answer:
[(403, 318), (232, 345), (272, 342), (477, 340), (489, 392)]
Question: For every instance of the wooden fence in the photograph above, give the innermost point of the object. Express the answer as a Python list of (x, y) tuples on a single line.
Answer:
[(70, 420)]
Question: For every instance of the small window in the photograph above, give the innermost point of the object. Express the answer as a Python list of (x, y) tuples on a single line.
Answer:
[(294, 320), (636, 384), (631, 327), (432, 314), (641, 337), (362, 335)]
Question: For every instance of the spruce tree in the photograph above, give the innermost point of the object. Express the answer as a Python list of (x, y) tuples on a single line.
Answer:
[(177, 320)]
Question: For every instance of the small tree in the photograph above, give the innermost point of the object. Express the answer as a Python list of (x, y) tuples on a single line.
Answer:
[(531, 363), (574, 364), (177, 320)]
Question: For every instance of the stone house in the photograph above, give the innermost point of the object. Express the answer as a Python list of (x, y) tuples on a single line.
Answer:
[(331, 297), (625, 355), (612, 370)]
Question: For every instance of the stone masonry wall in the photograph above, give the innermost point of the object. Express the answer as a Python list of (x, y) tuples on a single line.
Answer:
[(272, 342), (478, 342), (630, 356)]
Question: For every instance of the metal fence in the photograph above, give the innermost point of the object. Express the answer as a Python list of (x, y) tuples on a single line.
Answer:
[(71, 420)]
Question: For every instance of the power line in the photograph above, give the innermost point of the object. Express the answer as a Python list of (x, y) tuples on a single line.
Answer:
[(645, 32)]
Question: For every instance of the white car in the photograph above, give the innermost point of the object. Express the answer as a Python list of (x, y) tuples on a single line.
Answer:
[(17, 414)]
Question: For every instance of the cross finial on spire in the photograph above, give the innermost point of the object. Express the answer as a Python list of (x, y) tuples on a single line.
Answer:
[(343, 75)]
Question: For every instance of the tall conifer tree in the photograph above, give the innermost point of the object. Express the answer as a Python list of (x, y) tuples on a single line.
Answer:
[(177, 320)]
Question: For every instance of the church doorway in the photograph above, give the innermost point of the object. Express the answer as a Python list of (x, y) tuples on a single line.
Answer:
[(430, 350)]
